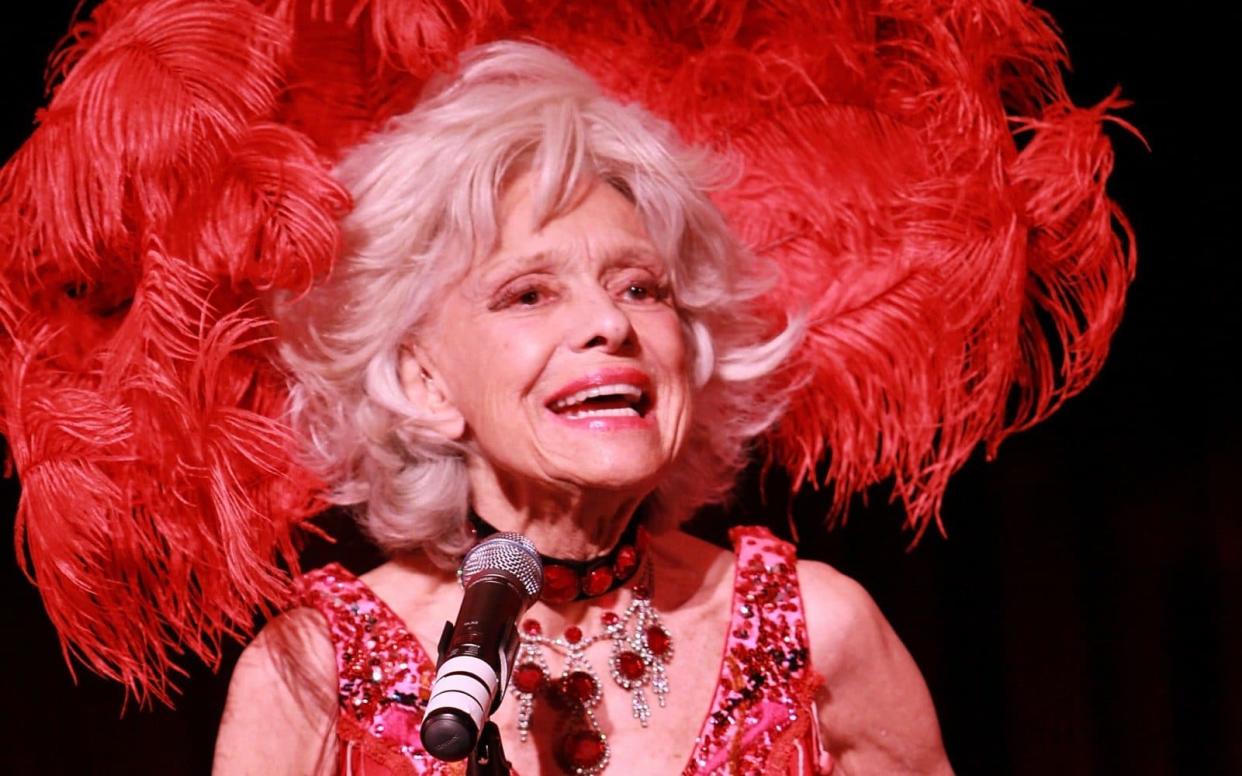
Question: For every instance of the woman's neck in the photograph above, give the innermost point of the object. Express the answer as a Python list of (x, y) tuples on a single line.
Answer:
[(569, 523)]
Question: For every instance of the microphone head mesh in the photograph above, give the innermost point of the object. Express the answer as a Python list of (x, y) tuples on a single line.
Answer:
[(505, 551)]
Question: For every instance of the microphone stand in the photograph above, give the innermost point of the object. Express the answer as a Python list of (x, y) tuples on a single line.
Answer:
[(488, 758)]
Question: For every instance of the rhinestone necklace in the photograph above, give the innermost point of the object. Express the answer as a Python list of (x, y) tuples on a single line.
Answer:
[(640, 647)]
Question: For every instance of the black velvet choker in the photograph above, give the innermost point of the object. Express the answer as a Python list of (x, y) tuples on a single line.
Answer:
[(577, 580)]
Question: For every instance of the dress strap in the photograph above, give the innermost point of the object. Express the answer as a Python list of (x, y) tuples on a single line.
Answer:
[(760, 720), (383, 675)]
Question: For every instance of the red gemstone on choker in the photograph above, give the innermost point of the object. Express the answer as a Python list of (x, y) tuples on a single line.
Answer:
[(630, 665), (573, 634), (658, 640), (610, 619), (532, 627), (597, 581), (626, 562), (583, 749), (560, 584), (528, 677), (641, 591)]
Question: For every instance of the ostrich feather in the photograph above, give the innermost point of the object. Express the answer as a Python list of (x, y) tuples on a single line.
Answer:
[(912, 175)]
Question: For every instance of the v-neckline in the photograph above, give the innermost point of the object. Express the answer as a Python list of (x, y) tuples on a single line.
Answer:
[(426, 665)]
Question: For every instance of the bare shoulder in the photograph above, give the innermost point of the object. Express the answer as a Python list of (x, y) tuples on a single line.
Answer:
[(845, 626), (875, 712), (841, 617), (281, 706)]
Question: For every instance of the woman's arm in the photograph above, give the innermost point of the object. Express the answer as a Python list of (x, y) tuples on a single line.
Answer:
[(281, 711), (875, 713)]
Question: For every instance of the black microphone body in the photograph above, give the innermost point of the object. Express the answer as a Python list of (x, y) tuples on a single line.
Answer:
[(502, 576)]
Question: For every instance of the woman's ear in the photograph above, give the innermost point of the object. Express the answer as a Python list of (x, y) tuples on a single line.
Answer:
[(424, 388)]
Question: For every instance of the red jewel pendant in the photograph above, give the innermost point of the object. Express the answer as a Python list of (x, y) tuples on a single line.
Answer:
[(528, 677), (658, 640), (582, 688), (583, 750), (574, 692), (630, 665)]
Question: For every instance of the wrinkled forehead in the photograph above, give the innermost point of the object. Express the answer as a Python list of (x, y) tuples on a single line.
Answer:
[(596, 222)]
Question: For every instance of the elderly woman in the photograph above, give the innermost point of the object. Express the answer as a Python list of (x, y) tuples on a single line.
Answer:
[(541, 324)]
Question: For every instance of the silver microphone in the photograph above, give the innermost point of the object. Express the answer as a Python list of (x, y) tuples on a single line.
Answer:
[(502, 576)]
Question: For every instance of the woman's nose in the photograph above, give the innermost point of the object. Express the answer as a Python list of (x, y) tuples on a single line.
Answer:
[(601, 323)]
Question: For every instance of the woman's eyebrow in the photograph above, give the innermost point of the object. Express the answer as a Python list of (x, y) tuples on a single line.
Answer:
[(635, 253), (553, 256), (502, 267)]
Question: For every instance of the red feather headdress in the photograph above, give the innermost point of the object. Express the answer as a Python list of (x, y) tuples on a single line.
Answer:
[(914, 168)]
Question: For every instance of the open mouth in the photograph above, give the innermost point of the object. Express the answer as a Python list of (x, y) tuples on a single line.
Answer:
[(617, 400)]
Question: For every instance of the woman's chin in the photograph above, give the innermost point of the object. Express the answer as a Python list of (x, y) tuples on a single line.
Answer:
[(636, 470)]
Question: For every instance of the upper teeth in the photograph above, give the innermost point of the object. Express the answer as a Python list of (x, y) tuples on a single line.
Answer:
[(633, 392)]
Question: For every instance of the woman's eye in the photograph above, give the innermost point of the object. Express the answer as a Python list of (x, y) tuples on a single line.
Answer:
[(523, 296), (639, 292), (645, 291)]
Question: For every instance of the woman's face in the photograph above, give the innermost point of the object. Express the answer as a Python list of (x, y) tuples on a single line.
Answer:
[(563, 351)]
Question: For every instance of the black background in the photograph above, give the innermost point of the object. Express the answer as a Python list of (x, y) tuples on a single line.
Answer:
[(1083, 614)]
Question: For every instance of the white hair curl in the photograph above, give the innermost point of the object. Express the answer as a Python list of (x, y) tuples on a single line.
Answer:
[(426, 190)]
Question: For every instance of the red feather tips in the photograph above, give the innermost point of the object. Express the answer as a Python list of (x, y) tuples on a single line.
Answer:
[(918, 236), (1081, 253), (147, 112)]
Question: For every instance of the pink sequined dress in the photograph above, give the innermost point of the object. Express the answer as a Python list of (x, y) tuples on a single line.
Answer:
[(762, 713)]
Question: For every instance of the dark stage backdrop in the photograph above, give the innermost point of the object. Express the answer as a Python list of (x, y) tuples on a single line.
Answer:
[(1083, 614)]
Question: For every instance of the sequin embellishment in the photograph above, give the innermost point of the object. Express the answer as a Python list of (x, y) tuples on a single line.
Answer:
[(761, 709), (383, 675)]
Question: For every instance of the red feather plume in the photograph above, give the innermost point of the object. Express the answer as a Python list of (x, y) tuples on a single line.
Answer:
[(913, 171)]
